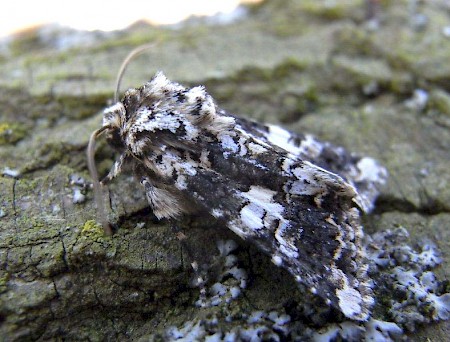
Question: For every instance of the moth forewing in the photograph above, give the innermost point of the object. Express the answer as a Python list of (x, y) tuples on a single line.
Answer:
[(190, 155)]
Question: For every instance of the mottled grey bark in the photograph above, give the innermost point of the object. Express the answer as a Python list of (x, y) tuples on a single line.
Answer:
[(304, 65)]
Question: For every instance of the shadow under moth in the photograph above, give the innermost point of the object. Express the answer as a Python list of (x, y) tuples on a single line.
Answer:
[(294, 197)]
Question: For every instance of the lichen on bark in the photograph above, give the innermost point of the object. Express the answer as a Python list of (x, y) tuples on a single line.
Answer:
[(302, 65)]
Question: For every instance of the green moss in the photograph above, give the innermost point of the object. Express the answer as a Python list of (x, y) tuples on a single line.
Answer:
[(11, 132), (351, 40), (47, 155), (352, 72), (4, 277), (37, 224), (134, 39), (256, 74), (251, 74), (287, 68), (52, 153), (440, 101), (93, 230), (294, 25), (401, 83), (75, 108), (330, 10), (297, 104)]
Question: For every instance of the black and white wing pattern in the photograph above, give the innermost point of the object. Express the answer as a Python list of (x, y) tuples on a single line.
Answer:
[(364, 173), (292, 196)]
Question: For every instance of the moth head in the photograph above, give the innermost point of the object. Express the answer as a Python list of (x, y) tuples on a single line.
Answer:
[(113, 121), (113, 118)]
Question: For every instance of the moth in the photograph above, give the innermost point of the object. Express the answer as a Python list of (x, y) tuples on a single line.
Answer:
[(294, 197)]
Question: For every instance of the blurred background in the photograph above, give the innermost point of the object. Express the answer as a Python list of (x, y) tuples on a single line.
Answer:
[(101, 15)]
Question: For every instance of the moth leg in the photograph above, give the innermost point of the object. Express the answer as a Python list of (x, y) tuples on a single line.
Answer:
[(116, 169), (163, 200)]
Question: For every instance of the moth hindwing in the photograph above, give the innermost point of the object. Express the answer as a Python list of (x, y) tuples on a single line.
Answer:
[(261, 182)]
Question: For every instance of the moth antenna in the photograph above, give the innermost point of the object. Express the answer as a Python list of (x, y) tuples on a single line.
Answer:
[(101, 213), (135, 52)]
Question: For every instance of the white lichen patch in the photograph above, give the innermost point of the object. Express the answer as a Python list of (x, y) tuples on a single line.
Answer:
[(231, 281), (418, 295), (258, 326), (370, 171), (78, 197), (277, 260), (398, 267), (10, 172), (349, 301)]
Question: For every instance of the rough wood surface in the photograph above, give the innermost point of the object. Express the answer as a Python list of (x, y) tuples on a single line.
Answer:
[(300, 64)]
